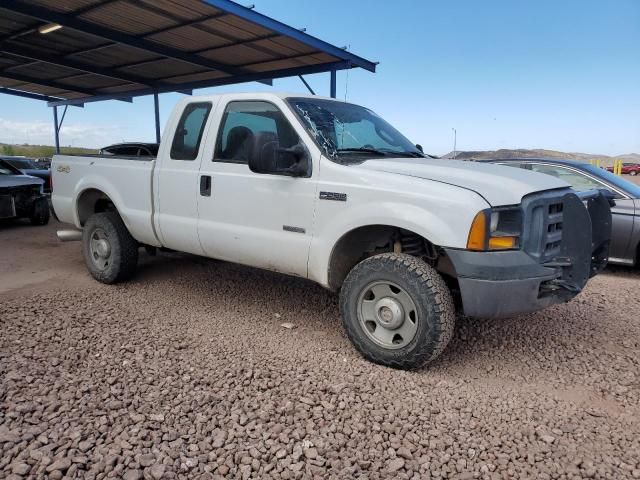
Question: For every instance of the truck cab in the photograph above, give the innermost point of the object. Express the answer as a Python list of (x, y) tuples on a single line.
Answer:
[(329, 191)]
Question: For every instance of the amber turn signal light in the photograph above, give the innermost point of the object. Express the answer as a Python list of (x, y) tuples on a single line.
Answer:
[(478, 233), (502, 243)]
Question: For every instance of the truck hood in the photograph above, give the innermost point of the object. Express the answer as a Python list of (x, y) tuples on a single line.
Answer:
[(497, 184), (7, 181)]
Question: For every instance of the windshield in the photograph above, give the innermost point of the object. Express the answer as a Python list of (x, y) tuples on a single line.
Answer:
[(7, 169), (347, 132), (22, 163)]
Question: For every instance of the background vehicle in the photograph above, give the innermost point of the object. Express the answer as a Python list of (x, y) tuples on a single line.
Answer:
[(29, 166), (329, 191), (628, 168), (21, 196), (625, 233), (131, 149)]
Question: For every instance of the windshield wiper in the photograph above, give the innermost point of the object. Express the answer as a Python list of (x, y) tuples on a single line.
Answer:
[(410, 154), (386, 153), (363, 150)]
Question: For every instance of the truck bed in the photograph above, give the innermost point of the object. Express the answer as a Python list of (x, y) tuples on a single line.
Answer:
[(126, 180)]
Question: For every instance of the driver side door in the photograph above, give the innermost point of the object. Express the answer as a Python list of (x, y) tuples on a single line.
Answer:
[(262, 220)]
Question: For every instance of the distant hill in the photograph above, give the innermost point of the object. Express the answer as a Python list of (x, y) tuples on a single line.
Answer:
[(40, 151), (630, 157), (537, 153)]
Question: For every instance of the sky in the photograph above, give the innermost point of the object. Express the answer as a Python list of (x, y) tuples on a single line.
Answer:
[(562, 75)]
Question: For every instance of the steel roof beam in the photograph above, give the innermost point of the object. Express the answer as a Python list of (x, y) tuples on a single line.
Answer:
[(34, 96), (189, 23), (253, 77), (54, 84), (89, 28), (239, 42), (197, 25), (279, 27), (73, 64), (92, 6), (45, 83), (202, 50), (34, 27), (289, 57)]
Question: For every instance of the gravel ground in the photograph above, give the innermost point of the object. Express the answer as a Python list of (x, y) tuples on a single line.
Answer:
[(186, 372)]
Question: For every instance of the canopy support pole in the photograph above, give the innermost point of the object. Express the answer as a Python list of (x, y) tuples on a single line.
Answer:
[(333, 84), (56, 130), (156, 105), (307, 85)]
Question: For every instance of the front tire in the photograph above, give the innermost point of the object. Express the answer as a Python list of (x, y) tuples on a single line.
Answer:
[(110, 252), (633, 172), (397, 310)]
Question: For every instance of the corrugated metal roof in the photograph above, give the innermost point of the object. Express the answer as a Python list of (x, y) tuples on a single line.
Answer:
[(139, 47)]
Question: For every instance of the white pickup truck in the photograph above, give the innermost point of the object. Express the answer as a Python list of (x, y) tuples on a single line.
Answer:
[(329, 191)]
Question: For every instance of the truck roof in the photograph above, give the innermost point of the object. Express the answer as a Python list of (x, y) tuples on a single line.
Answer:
[(256, 95)]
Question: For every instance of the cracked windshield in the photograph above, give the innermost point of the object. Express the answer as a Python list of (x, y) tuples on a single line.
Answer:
[(350, 133)]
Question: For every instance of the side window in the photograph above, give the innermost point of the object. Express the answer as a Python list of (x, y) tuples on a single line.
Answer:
[(186, 142), (578, 181), (249, 127), (128, 151), (524, 166)]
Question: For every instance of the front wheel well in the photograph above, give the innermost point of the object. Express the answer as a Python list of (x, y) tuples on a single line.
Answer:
[(363, 242), (93, 201)]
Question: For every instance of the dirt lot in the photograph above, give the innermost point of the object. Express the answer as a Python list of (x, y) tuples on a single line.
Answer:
[(186, 372)]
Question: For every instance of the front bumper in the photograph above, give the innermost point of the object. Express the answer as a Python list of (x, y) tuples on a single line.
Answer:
[(546, 271), (19, 201)]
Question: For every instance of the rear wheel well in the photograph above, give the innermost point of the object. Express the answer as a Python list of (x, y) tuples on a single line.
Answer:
[(366, 241), (93, 201)]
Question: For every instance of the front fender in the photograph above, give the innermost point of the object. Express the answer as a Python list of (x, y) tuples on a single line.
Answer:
[(449, 229)]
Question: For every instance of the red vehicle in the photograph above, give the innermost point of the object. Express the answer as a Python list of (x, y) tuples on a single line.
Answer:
[(628, 168)]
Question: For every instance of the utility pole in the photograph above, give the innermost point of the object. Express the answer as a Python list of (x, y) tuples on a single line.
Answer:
[(455, 134)]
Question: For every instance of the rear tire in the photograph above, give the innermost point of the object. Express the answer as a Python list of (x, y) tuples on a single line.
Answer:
[(633, 172), (397, 310), (110, 252), (40, 214)]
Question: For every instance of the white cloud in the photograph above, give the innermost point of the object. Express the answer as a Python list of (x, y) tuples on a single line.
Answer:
[(41, 133)]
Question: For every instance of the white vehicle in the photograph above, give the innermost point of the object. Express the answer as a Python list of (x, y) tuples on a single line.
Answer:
[(329, 191)]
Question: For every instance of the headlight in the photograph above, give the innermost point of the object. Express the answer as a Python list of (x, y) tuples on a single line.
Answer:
[(496, 229)]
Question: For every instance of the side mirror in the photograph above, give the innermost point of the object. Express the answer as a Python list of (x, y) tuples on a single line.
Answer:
[(419, 147), (273, 159), (609, 195)]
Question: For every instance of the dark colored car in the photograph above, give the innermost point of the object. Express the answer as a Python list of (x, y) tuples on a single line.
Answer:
[(21, 196), (625, 235), (131, 149), (628, 168), (29, 166)]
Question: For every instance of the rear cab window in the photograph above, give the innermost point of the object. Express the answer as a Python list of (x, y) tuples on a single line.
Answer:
[(188, 135)]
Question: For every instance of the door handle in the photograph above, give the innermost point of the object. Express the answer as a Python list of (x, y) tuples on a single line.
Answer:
[(205, 185)]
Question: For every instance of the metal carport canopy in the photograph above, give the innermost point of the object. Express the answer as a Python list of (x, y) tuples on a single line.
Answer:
[(71, 52)]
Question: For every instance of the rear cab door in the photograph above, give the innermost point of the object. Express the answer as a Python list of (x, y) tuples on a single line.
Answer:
[(176, 181)]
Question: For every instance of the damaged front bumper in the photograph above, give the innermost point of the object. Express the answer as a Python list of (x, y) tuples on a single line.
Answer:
[(565, 242)]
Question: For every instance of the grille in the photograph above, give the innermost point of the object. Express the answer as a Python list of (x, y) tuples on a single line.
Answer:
[(544, 224), (553, 236)]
